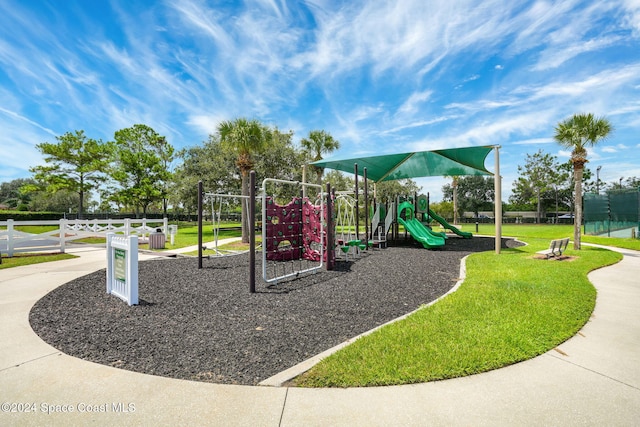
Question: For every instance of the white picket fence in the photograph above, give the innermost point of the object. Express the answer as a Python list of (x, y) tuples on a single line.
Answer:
[(13, 241)]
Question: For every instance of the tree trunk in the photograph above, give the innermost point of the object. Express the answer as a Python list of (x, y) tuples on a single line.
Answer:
[(80, 207), (577, 222), (555, 221), (81, 201)]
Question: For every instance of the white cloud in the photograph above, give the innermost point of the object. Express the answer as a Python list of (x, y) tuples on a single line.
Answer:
[(400, 35), (27, 120), (607, 81), (17, 144), (534, 141), (633, 15), (419, 123), (555, 57), (206, 20), (206, 123), (411, 105)]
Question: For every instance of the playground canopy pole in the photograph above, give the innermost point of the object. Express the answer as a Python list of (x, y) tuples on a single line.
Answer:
[(366, 209), (498, 208), (200, 224), (330, 238), (355, 168), (252, 232), (304, 181)]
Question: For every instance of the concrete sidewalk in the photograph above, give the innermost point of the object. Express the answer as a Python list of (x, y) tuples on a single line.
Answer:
[(592, 379)]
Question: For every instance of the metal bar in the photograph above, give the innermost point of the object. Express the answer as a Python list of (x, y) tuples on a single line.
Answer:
[(252, 232), (199, 224)]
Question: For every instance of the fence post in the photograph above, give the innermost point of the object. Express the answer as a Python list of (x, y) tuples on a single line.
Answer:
[(127, 226), (132, 270), (165, 225), (63, 234), (10, 237), (109, 262)]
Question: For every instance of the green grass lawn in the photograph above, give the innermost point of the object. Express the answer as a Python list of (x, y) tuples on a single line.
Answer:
[(229, 248), (188, 234), (550, 232), (511, 307), (20, 260)]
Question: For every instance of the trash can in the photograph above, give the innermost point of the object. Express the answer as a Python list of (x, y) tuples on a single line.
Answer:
[(157, 239)]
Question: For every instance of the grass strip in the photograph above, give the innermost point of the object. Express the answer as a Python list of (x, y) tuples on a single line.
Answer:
[(552, 231), (28, 259), (511, 307), (232, 247)]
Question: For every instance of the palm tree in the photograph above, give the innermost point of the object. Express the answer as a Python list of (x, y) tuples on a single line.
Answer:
[(318, 143), (577, 133), (244, 138)]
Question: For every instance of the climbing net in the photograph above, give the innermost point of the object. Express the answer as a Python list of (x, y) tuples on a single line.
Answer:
[(293, 231)]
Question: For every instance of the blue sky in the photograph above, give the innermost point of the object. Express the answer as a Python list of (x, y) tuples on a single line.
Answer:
[(380, 76)]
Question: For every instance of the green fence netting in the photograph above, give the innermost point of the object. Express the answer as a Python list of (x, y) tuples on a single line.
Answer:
[(612, 212)]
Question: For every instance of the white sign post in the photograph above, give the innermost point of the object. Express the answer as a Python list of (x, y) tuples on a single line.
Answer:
[(122, 267)]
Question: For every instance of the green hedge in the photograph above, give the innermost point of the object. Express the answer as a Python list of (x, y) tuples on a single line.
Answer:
[(30, 216)]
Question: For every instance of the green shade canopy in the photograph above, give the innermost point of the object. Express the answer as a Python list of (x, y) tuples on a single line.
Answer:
[(391, 167)]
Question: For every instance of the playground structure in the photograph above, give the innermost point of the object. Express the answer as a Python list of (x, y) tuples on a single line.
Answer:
[(447, 226), (294, 235), (300, 237), (216, 215), (381, 223), (347, 239), (295, 230), (292, 232), (615, 213), (419, 232)]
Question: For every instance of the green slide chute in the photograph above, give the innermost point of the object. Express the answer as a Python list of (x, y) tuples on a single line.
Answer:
[(419, 232), (448, 226)]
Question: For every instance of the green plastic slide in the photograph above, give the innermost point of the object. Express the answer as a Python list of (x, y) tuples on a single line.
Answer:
[(418, 231), (448, 226)]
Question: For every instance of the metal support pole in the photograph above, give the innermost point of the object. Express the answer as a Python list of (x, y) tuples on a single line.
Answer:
[(304, 181), (366, 209), (200, 192), (329, 235), (252, 232), (300, 236), (498, 200), (355, 168)]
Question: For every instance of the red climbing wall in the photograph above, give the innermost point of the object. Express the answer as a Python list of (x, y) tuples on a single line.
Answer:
[(299, 224)]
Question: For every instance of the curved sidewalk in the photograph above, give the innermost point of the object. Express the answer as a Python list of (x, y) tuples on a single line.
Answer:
[(592, 379)]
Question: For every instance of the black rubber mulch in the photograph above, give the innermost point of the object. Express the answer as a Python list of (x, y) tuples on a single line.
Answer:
[(204, 325)]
